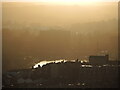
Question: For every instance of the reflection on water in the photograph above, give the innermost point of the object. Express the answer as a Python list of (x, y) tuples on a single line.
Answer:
[(44, 62)]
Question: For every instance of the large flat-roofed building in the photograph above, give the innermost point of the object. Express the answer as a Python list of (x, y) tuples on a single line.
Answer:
[(98, 60)]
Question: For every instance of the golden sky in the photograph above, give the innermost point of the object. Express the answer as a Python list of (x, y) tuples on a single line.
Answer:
[(64, 0), (58, 14)]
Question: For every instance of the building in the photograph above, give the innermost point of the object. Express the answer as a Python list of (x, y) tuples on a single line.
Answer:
[(98, 60)]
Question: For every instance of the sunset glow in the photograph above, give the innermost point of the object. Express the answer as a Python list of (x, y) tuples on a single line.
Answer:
[(65, 2), (71, 2)]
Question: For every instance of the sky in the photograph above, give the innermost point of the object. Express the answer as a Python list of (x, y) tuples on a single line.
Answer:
[(70, 2), (52, 15), (61, 0)]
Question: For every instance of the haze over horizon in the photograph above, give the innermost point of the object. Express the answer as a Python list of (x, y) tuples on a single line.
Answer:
[(58, 30), (58, 14)]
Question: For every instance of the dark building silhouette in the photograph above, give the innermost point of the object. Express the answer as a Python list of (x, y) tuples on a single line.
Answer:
[(98, 60)]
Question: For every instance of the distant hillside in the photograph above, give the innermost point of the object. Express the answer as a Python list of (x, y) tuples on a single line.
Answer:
[(76, 41)]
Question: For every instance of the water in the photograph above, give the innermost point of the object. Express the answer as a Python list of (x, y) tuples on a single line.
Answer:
[(44, 62)]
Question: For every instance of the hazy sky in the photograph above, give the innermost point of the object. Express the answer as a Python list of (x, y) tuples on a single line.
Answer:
[(62, 0), (46, 14)]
